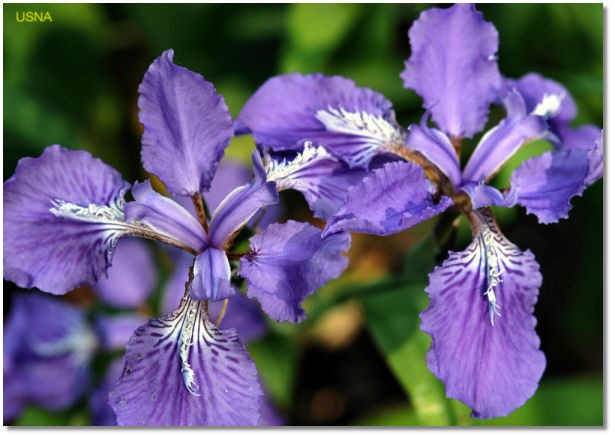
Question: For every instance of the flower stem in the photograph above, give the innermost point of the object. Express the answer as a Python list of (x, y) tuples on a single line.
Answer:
[(235, 255), (222, 312), (199, 206)]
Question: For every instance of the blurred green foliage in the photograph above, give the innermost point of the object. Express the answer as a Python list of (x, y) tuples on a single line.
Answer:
[(74, 81)]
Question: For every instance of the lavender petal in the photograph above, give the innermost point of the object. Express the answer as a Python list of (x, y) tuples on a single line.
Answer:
[(544, 185), (114, 331), (186, 124), (453, 67), (393, 198), (321, 178), (437, 147), (242, 204), (63, 213), (352, 123), (165, 217), (242, 313), (501, 142), (288, 262), (180, 370), (212, 276), (538, 92), (484, 345), (48, 347)]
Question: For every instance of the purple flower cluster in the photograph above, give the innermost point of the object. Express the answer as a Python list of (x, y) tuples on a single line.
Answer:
[(49, 344), (484, 345), (65, 211), (341, 147)]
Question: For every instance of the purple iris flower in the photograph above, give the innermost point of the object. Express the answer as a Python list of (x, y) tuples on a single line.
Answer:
[(65, 211), (48, 348), (49, 344), (484, 345)]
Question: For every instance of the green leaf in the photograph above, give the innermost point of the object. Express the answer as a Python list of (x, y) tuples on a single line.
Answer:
[(392, 318)]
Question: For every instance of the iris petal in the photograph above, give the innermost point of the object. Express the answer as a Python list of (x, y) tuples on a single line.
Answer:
[(544, 185), (165, 216), (242, 313), (212, 276), (63, 213), (241, 204), (180, 370), (501, 142), (288, 262), (393, 198), (484, 345), (48, 346), (352, 123), (437, 147), (321, 178), (186, 124), (453, 67)]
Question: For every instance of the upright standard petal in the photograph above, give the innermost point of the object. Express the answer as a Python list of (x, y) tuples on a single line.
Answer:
[(186, 126), (484, 345), (170, 220), (288, 262), (545, 184), (131, 279), (321, 178), (352, 123), (453, 67), (393, 198), (501, 142), (212, 276), (241, 204), (546, 97), (584, 136), (181, 370), (63, 213)]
